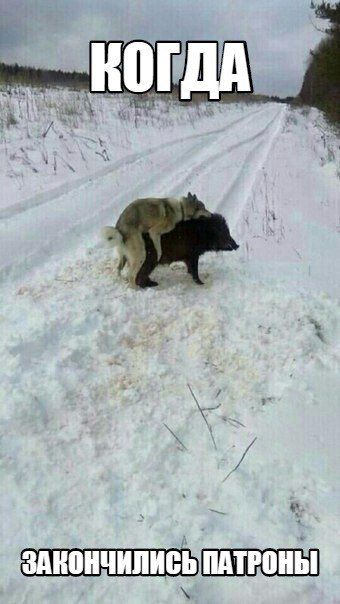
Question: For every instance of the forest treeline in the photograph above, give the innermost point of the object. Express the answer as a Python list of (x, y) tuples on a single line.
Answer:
[(18, 74), (321, 84)]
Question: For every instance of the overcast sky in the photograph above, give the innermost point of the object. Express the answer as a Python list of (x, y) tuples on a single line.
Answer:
[(55, 34)]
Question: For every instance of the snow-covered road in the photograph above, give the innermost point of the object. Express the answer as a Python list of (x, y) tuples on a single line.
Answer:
[(49, 219), (95, 374)]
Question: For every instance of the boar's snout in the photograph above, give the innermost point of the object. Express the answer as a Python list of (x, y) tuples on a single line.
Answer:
[(230, 245)]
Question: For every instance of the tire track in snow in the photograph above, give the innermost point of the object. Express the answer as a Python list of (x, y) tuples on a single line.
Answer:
[(205, 159), (205, 166), (236, 196)]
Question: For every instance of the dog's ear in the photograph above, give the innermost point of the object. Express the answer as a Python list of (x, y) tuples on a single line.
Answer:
[(195, 198), (189, 196)]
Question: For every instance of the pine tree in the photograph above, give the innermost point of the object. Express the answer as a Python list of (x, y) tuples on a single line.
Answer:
[(321, 85)]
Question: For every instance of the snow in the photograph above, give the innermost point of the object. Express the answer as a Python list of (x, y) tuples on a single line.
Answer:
[(93, 372)]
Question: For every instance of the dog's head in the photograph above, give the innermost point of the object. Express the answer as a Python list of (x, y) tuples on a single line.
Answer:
[(194, 208), (219, 234)]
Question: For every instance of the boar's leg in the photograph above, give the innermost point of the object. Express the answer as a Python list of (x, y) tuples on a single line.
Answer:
[(192, 265), (143, 279), (150, 262), (146, 283), (143, 275)]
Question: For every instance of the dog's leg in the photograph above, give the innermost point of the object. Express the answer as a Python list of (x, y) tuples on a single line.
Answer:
[(192, 264), (156, 240), (122, 263), (136, 256), (134, 269)]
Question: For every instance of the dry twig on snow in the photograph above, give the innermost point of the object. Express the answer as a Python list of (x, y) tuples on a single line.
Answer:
[(176, 437), (242, 458), (205, 419)]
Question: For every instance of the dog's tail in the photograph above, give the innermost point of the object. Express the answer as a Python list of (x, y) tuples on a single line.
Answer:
[(113, 237)]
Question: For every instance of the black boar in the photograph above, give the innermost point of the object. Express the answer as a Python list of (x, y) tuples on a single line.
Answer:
[(187, 242)]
